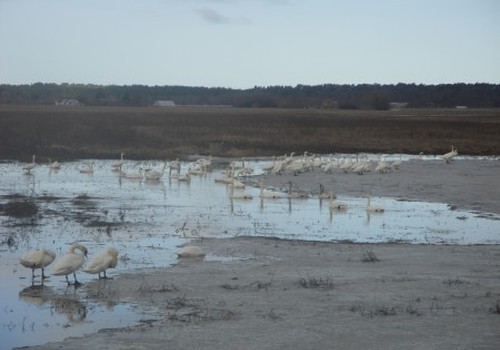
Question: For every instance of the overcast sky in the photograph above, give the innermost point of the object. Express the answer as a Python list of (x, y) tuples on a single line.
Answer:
[(243, 43)]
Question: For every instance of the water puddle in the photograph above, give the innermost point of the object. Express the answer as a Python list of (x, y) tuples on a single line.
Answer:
[(146, 221)]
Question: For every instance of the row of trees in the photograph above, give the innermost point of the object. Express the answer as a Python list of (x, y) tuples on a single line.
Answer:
[(373, 96)]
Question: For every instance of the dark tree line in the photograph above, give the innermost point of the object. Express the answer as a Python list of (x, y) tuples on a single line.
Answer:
[(372, 96)]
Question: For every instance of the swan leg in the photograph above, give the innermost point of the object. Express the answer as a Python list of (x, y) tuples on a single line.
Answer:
[(67, 280), (33, 273), (76, 281), (43, 275)]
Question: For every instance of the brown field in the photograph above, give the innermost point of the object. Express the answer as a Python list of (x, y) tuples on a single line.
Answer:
[(158, 133)]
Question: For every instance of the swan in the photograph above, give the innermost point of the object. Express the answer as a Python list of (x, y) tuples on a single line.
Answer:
[(449, 156), (106, 259), (291, 194), (190, 251), (323, 194), (37, 259), (117, 165), (88, 169), (70, 262), (54, 164), (336, 206), (373, 209), (155, 175), (184, 177), (132, 176), (28, 167), (265, 193), (198, 170), (237, 183), (238, 195)]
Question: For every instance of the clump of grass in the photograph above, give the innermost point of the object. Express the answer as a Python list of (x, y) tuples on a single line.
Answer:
[(369, 256), (454, 282), (228, 286), (384, 310), (495, 309), (324, 283), (260, 285), (145, 288)]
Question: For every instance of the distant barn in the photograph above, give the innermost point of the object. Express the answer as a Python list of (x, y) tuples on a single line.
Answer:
[(164, 103), (69, 102)]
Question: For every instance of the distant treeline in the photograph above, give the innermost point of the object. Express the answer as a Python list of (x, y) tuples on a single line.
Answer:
[(371, 96)]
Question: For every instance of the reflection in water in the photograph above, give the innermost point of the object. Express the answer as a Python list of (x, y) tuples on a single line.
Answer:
[(36, 294), (66, 304), (74, 310)]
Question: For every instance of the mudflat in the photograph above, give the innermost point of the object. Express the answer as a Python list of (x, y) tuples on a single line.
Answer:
[(261, 293)]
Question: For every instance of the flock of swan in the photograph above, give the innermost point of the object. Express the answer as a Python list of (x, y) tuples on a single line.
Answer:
[(74, 259)]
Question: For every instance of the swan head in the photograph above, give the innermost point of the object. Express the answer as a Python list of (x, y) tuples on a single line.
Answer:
[(113, 252), (80, 247)]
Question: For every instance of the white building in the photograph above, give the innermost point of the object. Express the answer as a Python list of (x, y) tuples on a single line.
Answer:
[(164, 103)]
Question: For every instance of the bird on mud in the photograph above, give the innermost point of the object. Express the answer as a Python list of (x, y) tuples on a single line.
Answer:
[(106, 259), (190, 251), (38, 259), (71, 262)]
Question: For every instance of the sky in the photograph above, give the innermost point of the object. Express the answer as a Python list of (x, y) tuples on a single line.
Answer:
[(245, 43)]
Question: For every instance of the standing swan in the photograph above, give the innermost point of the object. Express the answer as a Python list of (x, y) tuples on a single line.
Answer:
[(71, 262), (106, 259), (450, 155), (372, 209), (117, 165), (27, 167), (38, 259), (88, 169)]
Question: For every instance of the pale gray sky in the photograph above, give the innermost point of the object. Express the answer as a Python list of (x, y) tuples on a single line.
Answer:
[(243, 43)]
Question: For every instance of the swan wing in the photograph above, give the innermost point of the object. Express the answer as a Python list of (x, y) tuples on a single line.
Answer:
[(67, 264)]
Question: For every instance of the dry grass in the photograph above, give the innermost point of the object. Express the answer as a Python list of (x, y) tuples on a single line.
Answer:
[(160, 133)]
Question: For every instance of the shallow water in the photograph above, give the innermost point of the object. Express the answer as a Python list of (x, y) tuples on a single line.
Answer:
[(147, 221)]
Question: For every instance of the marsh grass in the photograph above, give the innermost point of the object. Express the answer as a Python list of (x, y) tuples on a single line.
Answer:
[(156, 133), (317, 282), (369, 256), (385, 310)]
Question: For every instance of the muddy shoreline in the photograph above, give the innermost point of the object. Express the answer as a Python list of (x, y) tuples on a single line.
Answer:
[(262, 293)]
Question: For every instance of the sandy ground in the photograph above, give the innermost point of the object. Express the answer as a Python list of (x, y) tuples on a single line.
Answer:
[(275, 294)]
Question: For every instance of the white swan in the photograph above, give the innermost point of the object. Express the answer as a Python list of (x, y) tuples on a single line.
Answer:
[(106, 259), (373, 209), (71, 262), (238, 195), (155, 175), (323, 194), (265, 193), (300, 194), (117, 165), (133, 176), (54, 165), (37, 259), (335, 205), (450, 155), (88, 169), (190, 251), (28, 167)]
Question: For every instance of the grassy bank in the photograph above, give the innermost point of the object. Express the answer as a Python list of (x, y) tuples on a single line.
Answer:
[(161, 133)]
